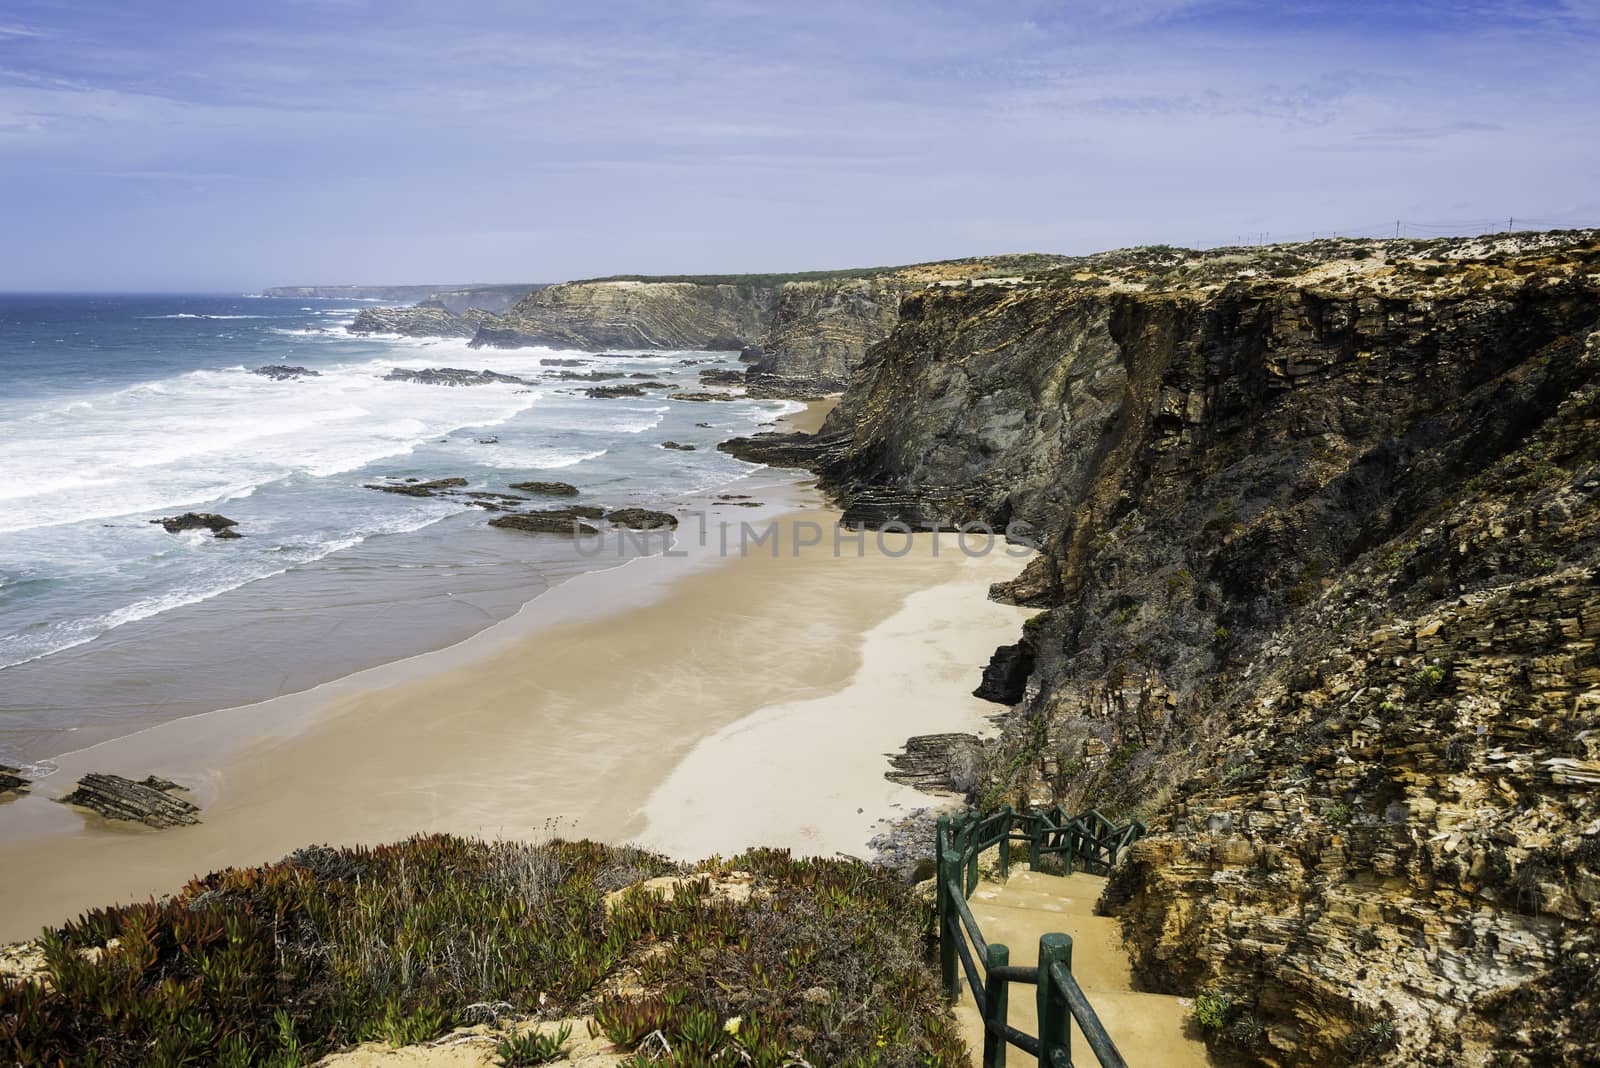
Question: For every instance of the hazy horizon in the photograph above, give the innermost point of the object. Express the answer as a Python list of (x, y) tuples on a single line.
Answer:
[(181, 149)]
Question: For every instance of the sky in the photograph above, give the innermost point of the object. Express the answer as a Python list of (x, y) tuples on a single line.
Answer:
[(227, 146)]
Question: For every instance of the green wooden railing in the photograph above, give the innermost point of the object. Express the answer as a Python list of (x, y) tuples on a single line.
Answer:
[(1089, 842)]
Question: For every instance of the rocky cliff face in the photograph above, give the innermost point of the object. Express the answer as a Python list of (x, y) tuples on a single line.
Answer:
[(800, 333), (638, 315), (1320, 599)]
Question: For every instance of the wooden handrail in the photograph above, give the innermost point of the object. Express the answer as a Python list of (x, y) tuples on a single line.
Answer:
[(987, 967)]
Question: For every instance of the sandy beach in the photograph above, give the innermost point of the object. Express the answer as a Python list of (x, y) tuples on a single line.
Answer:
[(696, 704)]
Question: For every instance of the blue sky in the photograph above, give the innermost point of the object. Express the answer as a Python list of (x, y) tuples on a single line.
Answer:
[(225, 146)]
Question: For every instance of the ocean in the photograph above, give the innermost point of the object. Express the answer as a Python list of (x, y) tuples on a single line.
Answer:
[(116, 410)]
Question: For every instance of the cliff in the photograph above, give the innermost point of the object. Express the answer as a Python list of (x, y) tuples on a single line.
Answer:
[(634, 314), (1320, 592), (808, 330)]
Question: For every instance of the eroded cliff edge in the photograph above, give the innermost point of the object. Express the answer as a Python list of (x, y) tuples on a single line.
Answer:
[(1319, 599), (810, 328)]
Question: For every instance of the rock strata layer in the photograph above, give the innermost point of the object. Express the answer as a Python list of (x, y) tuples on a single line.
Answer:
[(149, 802)]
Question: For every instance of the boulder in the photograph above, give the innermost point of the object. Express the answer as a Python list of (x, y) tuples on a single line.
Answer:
[(543, 523), (605, 392), (217, 524), (547, 489), (282, 372), (149, 802), (703, 396), (677, 445), (642, 519), (721, 376)]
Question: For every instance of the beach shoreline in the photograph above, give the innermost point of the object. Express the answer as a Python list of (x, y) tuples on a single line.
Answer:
[(576, 717)]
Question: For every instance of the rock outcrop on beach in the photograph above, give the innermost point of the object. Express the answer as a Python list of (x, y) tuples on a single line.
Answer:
[(642, 519), (219, 525), (149, 802), (1320, 601), (12, 784), (565, 522)]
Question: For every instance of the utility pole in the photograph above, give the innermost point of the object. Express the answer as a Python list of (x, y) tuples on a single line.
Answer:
[(1397, 228)]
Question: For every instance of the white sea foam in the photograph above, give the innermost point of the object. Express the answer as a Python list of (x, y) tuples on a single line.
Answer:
[(208, 434), (21, 648), (192, 315)]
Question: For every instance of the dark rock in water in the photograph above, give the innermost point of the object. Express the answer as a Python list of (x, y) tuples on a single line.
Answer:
[(227, 535), (282, 372), (488, 441), (721, 376), (12, 782), (543, 523), (703, 396), (503, 337), (752, 354), (938, 763), (547, 489), (574, 511), (452, 376), (1006, 677), (589, 376), (418, 489), (211, 521), (724, 343), (678, 445), (706, 426), (605, 392), (561, 362), (148, 802), (642, 519)]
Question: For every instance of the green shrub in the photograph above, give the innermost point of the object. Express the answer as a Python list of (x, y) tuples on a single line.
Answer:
[(1338, 815), (1431, 677), (532, 1047), (1213, 1011)]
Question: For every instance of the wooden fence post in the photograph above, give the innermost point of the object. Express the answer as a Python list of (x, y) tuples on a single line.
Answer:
[(1034, 831), (1055, 1019), (995, 998), (975, 845), (949, 871), (1005, 841)]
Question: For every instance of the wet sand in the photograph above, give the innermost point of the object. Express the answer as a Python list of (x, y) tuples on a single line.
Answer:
[(567, 718)]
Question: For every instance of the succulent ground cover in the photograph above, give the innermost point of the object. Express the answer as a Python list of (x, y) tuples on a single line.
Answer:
[(821, 959)]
